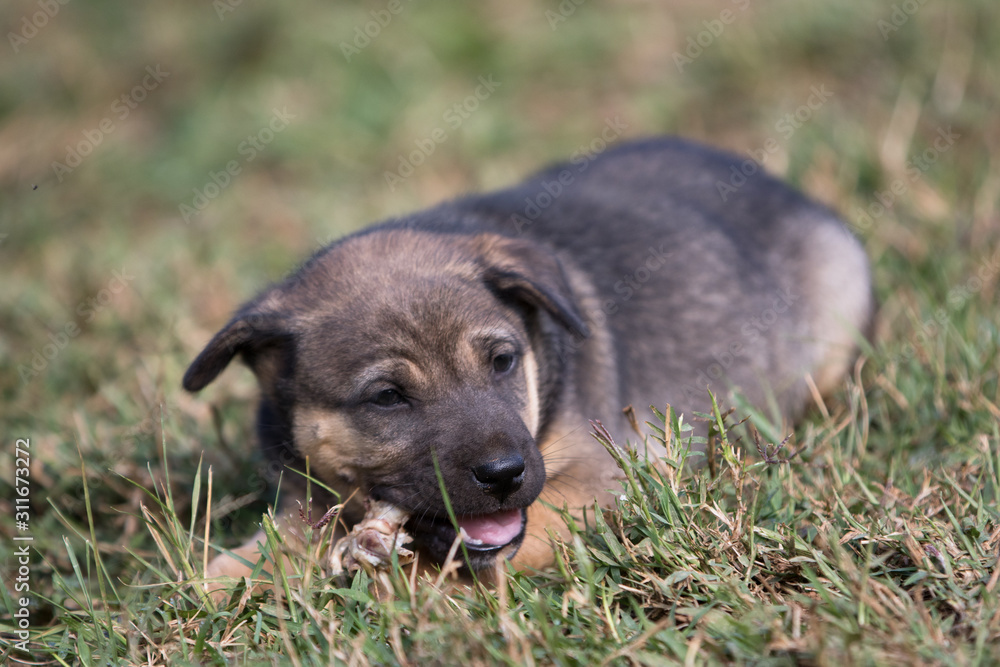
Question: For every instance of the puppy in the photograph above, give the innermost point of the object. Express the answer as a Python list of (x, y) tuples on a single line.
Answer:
[(471, 343)]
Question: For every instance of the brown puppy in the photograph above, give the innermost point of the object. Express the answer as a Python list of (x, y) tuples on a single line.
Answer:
[(474, 341)]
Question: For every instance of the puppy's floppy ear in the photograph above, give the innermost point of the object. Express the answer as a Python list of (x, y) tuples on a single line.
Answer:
[(527, 272), (251, 331)]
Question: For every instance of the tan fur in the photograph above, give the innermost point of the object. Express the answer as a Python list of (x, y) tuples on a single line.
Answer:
[(333, 450), (532, 411)]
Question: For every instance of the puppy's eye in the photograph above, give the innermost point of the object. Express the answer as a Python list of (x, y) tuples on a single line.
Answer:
[(503, 363), (388, 398)]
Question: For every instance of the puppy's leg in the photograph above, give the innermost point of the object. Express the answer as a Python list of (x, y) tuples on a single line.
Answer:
[(230, 565), (293, 537)]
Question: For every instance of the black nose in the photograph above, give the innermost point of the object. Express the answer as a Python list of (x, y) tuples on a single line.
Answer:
[(500, 477)]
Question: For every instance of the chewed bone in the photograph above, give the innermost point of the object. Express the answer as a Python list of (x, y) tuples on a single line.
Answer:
[(370, 543)]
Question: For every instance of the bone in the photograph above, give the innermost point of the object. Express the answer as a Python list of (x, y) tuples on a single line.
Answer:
[(370, 543)]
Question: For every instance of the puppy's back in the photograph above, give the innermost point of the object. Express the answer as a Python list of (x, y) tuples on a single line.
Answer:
[(703, 277)]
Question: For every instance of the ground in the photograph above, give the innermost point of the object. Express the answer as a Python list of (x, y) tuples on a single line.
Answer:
[(161, 162)]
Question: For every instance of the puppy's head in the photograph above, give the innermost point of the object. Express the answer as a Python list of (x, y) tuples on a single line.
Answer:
[(399, 360)]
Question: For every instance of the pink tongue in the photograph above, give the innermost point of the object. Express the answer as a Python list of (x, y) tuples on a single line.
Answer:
[(494, 529)]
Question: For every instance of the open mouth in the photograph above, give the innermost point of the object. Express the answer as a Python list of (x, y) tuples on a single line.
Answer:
[(491, 532), (483, 535)]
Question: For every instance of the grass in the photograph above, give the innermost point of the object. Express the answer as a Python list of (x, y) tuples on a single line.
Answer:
[(770, 561), (876, 544)]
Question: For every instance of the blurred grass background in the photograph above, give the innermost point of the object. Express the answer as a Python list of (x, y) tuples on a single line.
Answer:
[(110, 394)]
